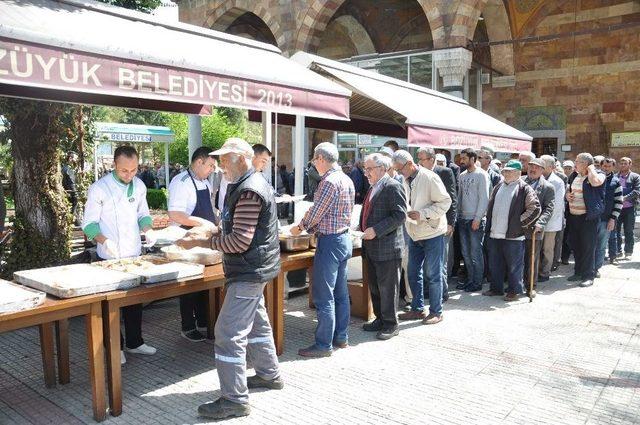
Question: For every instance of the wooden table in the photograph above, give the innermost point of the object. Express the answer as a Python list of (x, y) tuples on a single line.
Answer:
[(274, 294), (59, 311), (212, 281)]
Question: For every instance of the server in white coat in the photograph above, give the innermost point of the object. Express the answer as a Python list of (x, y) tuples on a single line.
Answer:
[(115, 213)]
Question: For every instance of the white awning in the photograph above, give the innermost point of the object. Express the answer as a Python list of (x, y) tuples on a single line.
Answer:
[(90, 52), (432, 118)]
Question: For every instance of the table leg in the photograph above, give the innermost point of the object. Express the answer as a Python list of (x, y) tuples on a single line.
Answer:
[(278, 313), (365, 295), (95, 347), (62, 344), (46, 347), (212, 311), (111, 320), (269, 299)]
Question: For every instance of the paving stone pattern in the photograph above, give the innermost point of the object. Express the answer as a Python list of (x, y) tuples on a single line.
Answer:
[(570, 357)]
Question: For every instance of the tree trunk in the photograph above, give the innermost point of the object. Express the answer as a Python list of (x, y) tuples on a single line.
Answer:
[(42, 222)]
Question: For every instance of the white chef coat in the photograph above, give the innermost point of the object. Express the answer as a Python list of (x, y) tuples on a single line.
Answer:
[(182, 195), (117, 208)]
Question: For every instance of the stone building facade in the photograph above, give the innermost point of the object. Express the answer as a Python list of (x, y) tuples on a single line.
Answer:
[(565, 71)]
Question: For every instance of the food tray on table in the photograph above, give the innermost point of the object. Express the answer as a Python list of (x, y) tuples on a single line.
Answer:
[(75, 280), (291, 243), (169, 235), (153, 269), (16, 297), (204, 256)]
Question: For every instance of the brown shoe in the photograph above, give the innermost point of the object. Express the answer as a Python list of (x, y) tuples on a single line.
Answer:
[(511, 296), (412, 315), (491, 293), (340, 344), (432, 319)]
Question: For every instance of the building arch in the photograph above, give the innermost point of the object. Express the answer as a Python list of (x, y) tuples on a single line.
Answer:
[(495, 20), (344, 37), (222, 17), (316, 18)]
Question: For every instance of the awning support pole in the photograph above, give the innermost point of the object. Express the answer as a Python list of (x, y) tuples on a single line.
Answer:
[(267, 140), (166, 165), (299, 141), (195, 133)]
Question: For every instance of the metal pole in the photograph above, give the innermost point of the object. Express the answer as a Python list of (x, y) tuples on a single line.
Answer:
[(95, 161), (267, 140), (532, 273), (195, 133), (275, 154), (166, 165), (298, 161)]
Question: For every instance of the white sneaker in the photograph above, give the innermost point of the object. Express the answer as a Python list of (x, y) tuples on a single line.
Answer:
[(123, 359), (143, 349)]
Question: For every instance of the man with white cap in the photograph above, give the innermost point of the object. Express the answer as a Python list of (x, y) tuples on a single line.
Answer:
[(115, 212), (249, 242)]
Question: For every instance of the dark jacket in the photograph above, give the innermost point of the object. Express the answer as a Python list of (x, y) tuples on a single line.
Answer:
[(546, 196), (631, 192), (523, 212), (261, 261), (449, 181), (387, 213), (68, 178), (613, 198), (455, 169), (593, 196)]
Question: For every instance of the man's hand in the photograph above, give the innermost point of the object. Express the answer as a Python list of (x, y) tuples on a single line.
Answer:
[(475, 225), (111, 248), (369, 234), (569, 196), (449, 230), (189, 242), (538, 229), (414, 215), (150, 238), (611, 224), (295, 230)]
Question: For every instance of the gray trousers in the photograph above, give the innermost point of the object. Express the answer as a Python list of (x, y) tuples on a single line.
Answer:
[(548, 252), (243, 332)]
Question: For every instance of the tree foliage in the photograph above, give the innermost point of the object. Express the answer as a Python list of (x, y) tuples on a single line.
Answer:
[(140, 5)]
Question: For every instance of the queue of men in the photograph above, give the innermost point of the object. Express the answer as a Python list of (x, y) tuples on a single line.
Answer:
[(516, 223)]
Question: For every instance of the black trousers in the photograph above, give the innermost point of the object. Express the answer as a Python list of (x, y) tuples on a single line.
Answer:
[(193, 310), (582, 237), (527, 262), (566, 248), (384, 283), (132, 316)]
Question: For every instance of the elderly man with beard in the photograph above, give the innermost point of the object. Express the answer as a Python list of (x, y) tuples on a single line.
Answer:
[(383, 214), (249, 242), (546, 196), (513, 207)]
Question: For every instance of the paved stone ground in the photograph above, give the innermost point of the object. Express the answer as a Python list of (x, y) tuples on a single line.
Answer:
[(571, 356)]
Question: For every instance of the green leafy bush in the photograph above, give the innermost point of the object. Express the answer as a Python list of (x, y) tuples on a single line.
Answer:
[(157, 199)]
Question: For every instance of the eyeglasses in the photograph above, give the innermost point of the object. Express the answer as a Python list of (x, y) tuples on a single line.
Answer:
[(370, 169)]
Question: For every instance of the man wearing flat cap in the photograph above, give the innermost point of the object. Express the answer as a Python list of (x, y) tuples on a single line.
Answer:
[(546, 196), (249, 242)]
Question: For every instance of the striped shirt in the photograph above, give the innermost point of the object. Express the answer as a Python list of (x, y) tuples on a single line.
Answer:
[(618, 200), (245, 221), (332, 205), (577, 206)]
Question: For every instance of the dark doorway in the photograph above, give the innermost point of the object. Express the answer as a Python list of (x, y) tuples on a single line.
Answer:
[(545, 146)]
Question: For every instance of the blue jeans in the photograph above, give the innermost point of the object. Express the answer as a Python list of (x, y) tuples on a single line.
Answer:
[(628, 220), (506, 256), (329, 289), (602, 240), (471, 244), (425, 261)]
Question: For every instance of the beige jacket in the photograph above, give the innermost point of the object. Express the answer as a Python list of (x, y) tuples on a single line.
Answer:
[(427, 195)]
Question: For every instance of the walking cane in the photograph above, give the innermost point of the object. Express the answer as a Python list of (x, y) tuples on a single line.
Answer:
[(532, 274)]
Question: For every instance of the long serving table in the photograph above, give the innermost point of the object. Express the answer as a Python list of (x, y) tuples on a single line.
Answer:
[(212, 281), (103, 311), (58, 311)]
